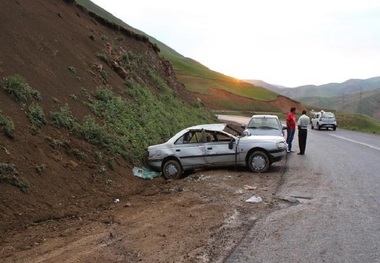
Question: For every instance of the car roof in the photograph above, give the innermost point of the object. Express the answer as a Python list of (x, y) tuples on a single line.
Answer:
[(264, 116), (213, 126)]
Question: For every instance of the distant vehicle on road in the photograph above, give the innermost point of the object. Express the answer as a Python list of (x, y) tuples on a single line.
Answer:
[(264, 125), (324, 119), (210, 145)]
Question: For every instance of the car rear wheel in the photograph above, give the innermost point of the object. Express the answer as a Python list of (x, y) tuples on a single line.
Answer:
[(258, 162), (172, 169)]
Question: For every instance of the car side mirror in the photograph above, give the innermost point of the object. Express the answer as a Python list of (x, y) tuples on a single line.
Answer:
[(243, 126), (231, 144), (284, 127)]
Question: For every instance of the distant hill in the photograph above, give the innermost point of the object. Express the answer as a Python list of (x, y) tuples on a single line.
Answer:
[(333, 89), (352, 96)]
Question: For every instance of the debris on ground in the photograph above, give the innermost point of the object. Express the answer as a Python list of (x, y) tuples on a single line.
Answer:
[(254, 199), (249, 187), (145, 173)]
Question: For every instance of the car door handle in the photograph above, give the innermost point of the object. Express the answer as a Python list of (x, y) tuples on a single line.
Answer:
[(177, 150), (209, 148)]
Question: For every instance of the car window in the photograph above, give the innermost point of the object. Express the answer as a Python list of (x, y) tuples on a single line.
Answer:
[(328, 115), (192, 137), (203, 136), (263, 123), (221, 137)]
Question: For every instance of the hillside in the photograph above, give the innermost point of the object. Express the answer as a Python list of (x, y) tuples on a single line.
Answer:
[(80, 101), (211, 87)]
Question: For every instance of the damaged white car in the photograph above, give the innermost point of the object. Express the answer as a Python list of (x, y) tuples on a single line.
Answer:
[(210, 145)]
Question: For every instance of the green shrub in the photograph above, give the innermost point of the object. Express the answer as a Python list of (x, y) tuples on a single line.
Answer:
[(120, 38), (72, 69), (40, 168), (63, 118), (8, 174), (19, 89), (80, 155), (102, 57), (7, 126), (36, 116)]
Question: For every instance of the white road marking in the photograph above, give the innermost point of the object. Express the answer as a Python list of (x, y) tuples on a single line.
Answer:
[(362, 143)]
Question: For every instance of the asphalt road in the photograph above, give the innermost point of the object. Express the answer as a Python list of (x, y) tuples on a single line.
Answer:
[(332, 207)]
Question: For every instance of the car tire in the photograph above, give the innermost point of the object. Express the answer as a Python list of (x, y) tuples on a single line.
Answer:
[(172, 169), (258, 162), (334, 128), (318, 126)]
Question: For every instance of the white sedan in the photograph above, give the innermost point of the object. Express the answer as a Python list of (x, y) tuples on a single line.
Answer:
[(210, 145)]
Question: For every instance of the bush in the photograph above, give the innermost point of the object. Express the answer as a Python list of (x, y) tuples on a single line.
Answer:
[(7, 126), (36, 116), (63, 118), (8, 174), (102, 57), (19, 89)]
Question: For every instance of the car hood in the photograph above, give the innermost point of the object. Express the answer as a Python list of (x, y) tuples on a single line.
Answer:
[(263, 138), (260, 132)]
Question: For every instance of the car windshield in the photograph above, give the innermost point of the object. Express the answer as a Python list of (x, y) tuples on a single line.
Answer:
[(263, 123), (328, 115)]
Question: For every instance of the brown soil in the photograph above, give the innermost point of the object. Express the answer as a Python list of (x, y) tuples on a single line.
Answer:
[(70, 212), (200, 218)]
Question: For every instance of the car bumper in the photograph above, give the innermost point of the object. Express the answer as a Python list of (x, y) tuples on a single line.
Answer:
[(155, 165), (277, 155)]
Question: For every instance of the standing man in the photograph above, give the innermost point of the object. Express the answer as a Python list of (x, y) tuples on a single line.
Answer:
[(302, 123), (290, 127)]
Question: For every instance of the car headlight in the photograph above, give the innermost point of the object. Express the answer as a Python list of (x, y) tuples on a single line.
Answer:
[(281, 145), (154, 154)]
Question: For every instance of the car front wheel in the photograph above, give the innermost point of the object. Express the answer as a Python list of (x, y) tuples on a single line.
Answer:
[(258, 162), (172, 169)]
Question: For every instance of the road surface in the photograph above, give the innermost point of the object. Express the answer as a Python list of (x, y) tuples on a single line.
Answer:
[(332, 207)]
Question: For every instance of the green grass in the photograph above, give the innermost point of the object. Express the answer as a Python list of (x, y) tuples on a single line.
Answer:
[(358, 122), (129, 127)]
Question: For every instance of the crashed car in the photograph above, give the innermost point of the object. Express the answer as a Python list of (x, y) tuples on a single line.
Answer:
[(210, 145)]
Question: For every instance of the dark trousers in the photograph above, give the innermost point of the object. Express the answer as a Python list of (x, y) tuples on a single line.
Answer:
[(289, 137), (302, 136)]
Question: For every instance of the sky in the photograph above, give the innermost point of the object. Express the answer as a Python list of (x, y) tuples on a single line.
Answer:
[(289, 43)]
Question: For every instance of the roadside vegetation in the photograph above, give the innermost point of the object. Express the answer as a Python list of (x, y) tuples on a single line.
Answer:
[(358, 122), (120, 126)]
